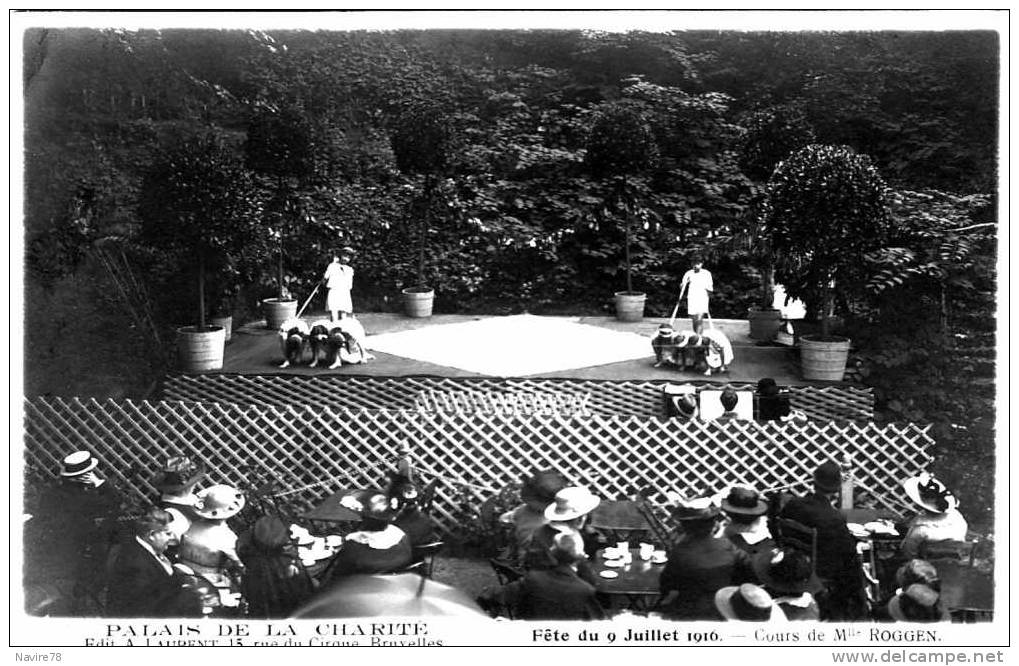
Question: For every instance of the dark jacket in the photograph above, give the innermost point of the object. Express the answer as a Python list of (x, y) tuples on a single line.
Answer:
[(538, 555), (141, 587), (554, 594), (360, 558), (697, 568)]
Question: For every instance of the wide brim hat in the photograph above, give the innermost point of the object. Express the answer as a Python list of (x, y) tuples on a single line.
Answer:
[(541, 488), (912, 488), (571, 503), (347, 251), (921, 594), (744, 501), (765, 569), (78, 463), (179, 474), (699, 509), (219, 502), (746, 603)]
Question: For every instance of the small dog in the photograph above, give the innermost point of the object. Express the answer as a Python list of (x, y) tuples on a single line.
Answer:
[(353, 348), (719, 354), (293, 340), (336, 344), (318, 340)]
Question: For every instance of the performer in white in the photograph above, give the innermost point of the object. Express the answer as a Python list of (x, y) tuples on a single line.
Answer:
[(339, 280), (698, 286)]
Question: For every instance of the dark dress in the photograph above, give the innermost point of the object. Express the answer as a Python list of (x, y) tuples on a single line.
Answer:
[(554, 594), (361, 558), (697, 568), (274, 583), (838, 563), (141, 587), (538, 555)]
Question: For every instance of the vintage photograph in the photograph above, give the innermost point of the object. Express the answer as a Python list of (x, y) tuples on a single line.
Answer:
[(575, 322)]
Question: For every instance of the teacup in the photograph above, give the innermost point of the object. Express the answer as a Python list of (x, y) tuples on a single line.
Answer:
[(646, 551)]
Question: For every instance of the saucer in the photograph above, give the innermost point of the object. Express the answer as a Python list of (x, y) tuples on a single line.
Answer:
[(615, 563), (659, 560), (609, 574)]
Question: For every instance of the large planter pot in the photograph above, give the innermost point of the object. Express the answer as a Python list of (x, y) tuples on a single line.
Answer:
[(417, 301), (824, 357), (630, 305), (226, 322), (764, 324), (278, 311), (200, 351)]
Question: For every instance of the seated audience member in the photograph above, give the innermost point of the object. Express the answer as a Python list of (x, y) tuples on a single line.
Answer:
[(274, 583), (772, 404), (699, 564), (567, 514), (145, 583), (537, 492), (788, 577), (838, 563), (729, 400), (918, 603), (415, 523), (377, 546), (913, 571), (209, 547), (747, 603), (748, 524), (938, 518), (176, 483), (680, 402), (556, 592)]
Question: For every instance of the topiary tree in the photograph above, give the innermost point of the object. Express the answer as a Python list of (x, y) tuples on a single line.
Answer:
[(827, 209), (199, 203), (425, 142), (620, 147)]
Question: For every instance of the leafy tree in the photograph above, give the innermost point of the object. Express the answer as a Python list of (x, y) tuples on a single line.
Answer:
[(827, 208), (198, 202)]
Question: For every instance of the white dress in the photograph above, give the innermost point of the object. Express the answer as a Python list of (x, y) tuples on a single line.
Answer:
[(698, 285), (339, 282)]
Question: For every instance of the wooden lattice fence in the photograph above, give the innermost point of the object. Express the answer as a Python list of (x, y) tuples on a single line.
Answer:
[(604, 397), (314, 451)]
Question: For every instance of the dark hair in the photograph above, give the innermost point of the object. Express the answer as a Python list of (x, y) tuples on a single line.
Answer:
[(153, 520), (767, 386), (729, 399), (696, 259), (700, 527)]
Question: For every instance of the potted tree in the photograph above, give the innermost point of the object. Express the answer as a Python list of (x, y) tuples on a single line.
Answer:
[(291, 155), (621, 147), (827, 209), (198, 203), (771, 136), (424, 144)]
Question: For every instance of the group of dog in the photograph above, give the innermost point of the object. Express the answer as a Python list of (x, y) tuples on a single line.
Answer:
[(708, 352), (330, 342)]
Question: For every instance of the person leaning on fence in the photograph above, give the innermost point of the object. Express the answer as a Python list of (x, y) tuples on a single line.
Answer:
[(76, 525), (567, 514), (938, 518), (536, 493), (339, 280), (144, 583), (377, 546), (699, 564), (838, 563), (556, 592), (698, 285), (787, 574), (274, 582), (748, 525)]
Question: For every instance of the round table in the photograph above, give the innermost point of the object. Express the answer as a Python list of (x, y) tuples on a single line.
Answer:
[(637, 583)]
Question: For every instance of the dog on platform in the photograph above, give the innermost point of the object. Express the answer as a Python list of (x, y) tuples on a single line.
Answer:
[(293, 341), (664, 344), (318, 340), (352, 350)]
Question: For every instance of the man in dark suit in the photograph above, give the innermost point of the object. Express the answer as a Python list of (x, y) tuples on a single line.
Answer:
[(144, 582), (838, 563), (556, 593)]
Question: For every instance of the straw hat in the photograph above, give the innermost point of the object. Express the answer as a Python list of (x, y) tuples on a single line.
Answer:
[(219, 501), (702, 508), (929, 493), (748, 603), (745, 501), (78, 463), (917, 603), (570, 503)]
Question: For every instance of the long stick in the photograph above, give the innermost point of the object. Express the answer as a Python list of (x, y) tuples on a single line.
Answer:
[(299, 312), (672, 319)]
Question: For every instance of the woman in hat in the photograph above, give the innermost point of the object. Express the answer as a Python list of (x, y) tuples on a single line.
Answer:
[(536, 493), (918, 603), (566, 514), (418, 525), (274, 583), (788, 575), (938, 518), (748, 525), (910, 573), (209, 547), (339, 280), (747, 603), (176, 483), (377, 546), (699, 564)]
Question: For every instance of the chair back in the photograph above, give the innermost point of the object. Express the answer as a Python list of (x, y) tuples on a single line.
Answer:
[(425, 555), (504, 571), (658, 528), (794, 534)]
